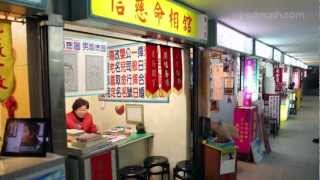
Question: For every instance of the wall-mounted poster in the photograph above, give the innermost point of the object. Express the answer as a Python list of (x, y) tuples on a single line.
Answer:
[(84, 66), (94, 72), (70, 72), (228, 85), (126, 75), (217, 81)]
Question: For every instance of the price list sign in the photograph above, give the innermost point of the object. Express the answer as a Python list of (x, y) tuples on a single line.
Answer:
[(126, 72)]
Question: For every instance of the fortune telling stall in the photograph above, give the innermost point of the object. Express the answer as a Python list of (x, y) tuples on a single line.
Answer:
[(133, 70)]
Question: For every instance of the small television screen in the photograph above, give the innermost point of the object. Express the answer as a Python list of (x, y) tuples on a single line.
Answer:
[(25, 137)]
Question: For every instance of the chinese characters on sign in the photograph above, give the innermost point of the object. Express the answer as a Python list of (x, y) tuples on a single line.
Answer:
[(126, 72), (71, 44), (152, 81), (135, 73), (177, 69), (245, 123), (163, 15), (6, 61), (165, 69)]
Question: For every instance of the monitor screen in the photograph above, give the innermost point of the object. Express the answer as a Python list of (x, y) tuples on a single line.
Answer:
[(25, 137)]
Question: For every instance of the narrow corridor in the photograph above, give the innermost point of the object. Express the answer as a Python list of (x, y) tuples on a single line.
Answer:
[(294, 156)]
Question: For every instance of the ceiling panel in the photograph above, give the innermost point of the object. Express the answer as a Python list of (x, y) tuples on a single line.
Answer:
[(291, 25)]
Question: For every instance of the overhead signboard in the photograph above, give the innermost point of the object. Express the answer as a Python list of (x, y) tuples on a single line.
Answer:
[(263, 50), (231, 39), (287, 60), (277, 55), (160, 15)]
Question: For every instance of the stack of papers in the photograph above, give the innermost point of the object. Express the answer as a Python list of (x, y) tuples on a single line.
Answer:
[(115, 138)]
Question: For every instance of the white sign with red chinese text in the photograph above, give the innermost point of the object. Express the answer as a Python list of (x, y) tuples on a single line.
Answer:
[(126, 77)]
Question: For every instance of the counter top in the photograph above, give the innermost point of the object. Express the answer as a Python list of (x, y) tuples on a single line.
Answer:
[(86, 152), (224, 150), (133, 138), (14, 165)]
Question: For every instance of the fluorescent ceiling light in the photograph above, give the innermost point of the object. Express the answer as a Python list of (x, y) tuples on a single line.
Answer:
[(263, 50), (229, 38)]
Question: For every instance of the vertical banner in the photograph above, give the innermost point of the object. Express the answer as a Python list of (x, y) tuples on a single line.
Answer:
[(250, 77), (165, 70), (6, 61), (152, 81), (177, 69), (277, 74)]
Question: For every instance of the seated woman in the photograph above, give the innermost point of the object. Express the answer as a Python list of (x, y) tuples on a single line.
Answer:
[(80, 118)]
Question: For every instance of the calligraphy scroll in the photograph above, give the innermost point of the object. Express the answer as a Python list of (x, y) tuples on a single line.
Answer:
[(165, 70), (152, 83), (177, 69), (6, 61)]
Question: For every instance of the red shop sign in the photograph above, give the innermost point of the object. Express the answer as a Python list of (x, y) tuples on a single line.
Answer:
[(152, 84), (177, 67), (165, 69)]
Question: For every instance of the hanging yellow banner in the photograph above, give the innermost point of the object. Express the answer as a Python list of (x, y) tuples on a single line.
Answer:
[(163, 15), (6, 61)]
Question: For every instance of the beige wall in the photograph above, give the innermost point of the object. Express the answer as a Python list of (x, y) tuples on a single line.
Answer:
[(168, 121), (21, 93)]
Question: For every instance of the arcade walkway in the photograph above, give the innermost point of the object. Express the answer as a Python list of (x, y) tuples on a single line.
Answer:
[(294, 156)]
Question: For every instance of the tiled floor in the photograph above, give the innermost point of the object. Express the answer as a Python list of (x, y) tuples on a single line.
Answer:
[(294, 156)]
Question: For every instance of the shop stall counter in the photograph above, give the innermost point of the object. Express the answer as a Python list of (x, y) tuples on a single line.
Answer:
[(105, 160), (19, 168), (92, 162), (134, 150), (220, 163)]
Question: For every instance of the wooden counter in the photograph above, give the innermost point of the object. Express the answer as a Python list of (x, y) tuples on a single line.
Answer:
[(32, 167), (212, 163)]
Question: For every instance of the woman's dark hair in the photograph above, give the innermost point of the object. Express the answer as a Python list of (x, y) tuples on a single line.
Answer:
[(80, 102), (34, 130)]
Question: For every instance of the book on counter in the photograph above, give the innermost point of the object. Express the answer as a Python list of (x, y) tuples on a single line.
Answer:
[(98, 142), (74, 132), (88, 137)]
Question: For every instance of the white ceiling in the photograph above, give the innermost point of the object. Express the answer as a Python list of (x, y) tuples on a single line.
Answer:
[(293, 26)]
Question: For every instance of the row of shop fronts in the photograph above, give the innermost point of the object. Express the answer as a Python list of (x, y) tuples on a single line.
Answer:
[(157, 63)]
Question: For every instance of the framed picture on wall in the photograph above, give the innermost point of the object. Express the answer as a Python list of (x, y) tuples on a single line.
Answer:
[(134, 113), (228, 85)]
